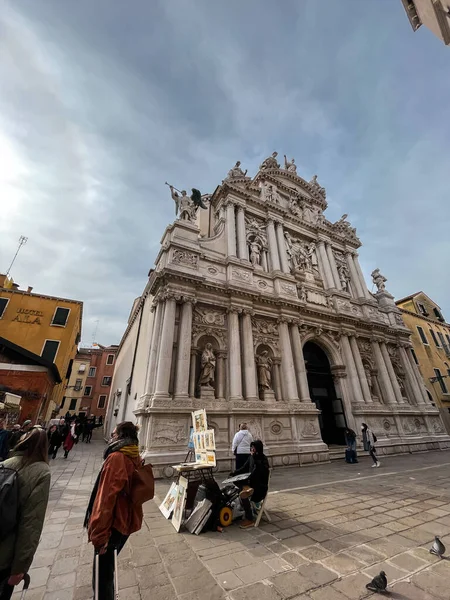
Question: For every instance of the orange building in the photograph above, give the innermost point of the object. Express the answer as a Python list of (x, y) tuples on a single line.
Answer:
[(47, 326)]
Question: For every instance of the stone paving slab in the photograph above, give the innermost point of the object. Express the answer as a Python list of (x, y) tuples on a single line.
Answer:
[(333, 527)]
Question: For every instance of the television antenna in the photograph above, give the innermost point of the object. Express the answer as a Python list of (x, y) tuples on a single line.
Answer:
[(22, 241)]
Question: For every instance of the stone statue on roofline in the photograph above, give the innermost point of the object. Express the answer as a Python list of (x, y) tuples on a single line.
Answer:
[(379, 280), (186, 206), (270, 162), (236, 172), (290, 165), (318, 187)]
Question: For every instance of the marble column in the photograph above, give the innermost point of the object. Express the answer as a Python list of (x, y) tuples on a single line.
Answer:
[(411, 382), (352, 373), (241, 241), (273, 248), (327, 275), (299, 361), (277, 378), (354, 278), (184, 350), (231, 230), (287, 362), (221, 355), (391, 372), (360, 370), (418, 376), (282, 248), (384, 379), (334, 271), (154, 347), (361, 278), (250, 383), (234, 356), (193, 371), (166, 350)]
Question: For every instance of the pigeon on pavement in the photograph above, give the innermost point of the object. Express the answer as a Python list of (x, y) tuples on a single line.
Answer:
[(437, 548), (378, 583)]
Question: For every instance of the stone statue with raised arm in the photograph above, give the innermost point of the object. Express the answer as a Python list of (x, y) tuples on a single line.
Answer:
[(379, 280), (290, 165), (186, 206)]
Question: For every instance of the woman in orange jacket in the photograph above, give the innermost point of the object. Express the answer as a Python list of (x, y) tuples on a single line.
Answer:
[(111, 517)]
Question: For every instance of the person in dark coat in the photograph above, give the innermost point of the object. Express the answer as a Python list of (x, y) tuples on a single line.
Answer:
[(55, 440), (256, 486), (350, 440)]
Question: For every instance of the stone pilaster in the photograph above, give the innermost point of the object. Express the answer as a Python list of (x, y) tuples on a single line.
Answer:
[(221, 357), (418, 376), (361, 278), (242, 242), (282, 248), (334, 271), (356, 284), (273, 247), (299, 361), (352, 373), (166, 350), (181, 388), (360, 370), (231, 230), (154, 347), (384, 379), (193, 371), (250, 384), (234, 354), (277, 378), (327, 275), (392, 375), (287, 362)]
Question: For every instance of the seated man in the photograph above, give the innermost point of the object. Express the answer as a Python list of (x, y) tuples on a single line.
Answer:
[(257, 467)]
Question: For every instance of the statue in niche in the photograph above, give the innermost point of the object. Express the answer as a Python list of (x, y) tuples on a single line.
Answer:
[(368, 372), (311, 257), (290, 165), (255, 252), (294, 207), (301, 256), (236, 171), (309, 214), (207, 374), (379, 280), (344, 276), (271, 194), (302, 294), (264, 364), (270, 162)]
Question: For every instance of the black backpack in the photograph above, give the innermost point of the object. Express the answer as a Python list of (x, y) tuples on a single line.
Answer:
[(9, 500), (375, 439)]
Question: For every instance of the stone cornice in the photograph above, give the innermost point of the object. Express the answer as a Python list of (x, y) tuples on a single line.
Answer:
[(423, 318)]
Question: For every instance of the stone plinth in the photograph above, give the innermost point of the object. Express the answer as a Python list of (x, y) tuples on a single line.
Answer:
[(268, 396), (207, 393)]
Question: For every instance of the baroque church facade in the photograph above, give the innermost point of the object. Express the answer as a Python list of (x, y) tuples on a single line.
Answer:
[(257, 310)]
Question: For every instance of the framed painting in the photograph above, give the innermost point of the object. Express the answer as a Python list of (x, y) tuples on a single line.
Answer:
[(180, 503)]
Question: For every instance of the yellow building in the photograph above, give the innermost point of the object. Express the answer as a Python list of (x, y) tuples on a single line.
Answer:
[(45, 325), (73, 400), (431, 348)]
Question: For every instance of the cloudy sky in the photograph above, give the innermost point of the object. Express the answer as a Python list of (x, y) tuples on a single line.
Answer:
[(102, 102)]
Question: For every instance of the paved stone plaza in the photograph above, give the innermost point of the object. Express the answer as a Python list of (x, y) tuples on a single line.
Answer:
[(333, 527)]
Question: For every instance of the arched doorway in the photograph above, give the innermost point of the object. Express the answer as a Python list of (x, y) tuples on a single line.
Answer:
[(323, 394)]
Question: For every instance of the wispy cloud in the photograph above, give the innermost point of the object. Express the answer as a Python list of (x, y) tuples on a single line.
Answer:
[(102, 102)]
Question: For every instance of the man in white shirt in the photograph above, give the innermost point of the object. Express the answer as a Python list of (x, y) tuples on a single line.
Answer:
[(241, 445)]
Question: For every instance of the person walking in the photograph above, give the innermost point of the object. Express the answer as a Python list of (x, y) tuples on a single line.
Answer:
[(111, 516), (70, 440), (54, 441), (17, 549), (241, 445), (369, 439), (350, 452)]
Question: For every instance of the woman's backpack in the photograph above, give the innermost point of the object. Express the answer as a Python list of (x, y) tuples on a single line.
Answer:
[(9, 500), (142, 485)]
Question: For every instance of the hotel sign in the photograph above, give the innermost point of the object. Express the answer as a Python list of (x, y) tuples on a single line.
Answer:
[(28, 315)]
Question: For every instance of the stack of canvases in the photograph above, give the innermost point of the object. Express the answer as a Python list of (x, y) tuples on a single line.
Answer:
[(203, 442)]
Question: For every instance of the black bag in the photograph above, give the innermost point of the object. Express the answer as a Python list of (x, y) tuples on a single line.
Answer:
[(9, 500)]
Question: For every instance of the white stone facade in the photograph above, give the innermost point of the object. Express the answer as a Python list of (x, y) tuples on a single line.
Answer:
[(265, 275)]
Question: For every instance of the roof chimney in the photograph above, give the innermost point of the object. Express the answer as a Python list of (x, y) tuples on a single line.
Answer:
[(30, 289)]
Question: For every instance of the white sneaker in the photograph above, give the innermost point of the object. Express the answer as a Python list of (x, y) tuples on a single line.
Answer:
[(378, 464), (374, 465)]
